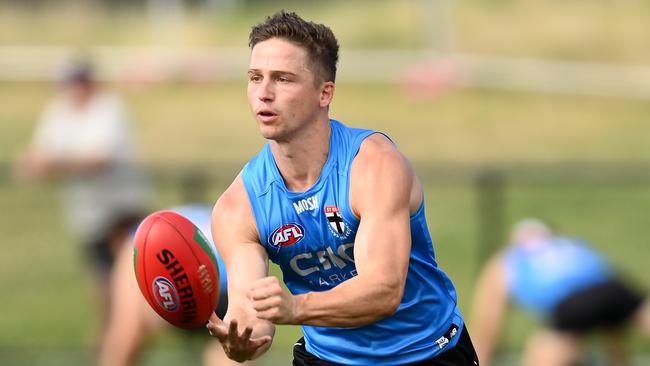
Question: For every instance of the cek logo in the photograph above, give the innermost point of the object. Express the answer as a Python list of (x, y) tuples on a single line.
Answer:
[(307, 263), (287, 235)]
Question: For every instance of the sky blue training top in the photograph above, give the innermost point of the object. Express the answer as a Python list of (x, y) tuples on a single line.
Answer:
[(540, 277), (311, 234)]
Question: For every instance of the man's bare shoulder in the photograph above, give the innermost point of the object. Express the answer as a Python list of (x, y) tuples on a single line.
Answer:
[(379, 156), (233, 197), (378, 148), (381, 170)]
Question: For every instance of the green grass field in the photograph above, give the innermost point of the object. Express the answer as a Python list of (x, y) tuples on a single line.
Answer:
[(51, 306), (48, 312)]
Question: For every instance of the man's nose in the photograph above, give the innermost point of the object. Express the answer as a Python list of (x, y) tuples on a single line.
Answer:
[(265, 91)]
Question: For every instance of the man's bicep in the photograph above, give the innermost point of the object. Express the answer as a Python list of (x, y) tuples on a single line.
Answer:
[(383, 240), (382, 250)]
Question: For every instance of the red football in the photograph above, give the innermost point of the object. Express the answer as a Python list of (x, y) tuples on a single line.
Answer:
[(176, 269)]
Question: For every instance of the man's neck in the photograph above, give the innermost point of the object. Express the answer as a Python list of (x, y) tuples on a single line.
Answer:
[(301, 160)]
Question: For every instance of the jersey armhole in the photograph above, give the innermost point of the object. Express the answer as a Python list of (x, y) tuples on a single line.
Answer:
[(352, 154), (257, 213)]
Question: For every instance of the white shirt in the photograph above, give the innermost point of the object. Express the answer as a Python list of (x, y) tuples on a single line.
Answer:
[(99, 130)]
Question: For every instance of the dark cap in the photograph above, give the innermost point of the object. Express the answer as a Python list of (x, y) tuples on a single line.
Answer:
[(78, 72)]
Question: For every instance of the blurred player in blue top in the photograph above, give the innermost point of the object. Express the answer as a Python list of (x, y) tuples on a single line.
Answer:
[(131, 320), (568, 285), (341, 211)]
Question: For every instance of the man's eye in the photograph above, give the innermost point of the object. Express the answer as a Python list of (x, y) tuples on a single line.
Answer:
[(282, 79), (255, 78)]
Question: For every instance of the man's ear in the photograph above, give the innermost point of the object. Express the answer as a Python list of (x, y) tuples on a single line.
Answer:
[(327, 93)]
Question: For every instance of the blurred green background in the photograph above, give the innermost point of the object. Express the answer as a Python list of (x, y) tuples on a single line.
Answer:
[(575, 152)]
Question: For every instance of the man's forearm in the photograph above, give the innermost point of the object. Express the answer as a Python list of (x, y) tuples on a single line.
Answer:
[(79, 166), (356, 302)]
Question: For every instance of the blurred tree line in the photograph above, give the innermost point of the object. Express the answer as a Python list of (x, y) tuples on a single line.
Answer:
[(36, 4)]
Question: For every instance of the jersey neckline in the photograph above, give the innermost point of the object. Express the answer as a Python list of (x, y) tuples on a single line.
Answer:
[(325, 171)]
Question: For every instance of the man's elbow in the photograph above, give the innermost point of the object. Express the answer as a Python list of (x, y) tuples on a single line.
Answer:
[(390, 300), (389, 308)]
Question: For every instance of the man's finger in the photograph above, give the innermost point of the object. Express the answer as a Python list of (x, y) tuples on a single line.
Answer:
[(215, 319), (219, 331), (265, 292), (270, 315), (258, 294), (245, 336), (232, 332), (215, 323), (263, 282), (259, 342), (265, 304)]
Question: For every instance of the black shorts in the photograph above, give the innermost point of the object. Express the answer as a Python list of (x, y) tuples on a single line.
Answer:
[(606, 305), (462, 354), (101, 251)]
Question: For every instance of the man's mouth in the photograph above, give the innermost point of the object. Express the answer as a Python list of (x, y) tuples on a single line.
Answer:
[(266, 115)]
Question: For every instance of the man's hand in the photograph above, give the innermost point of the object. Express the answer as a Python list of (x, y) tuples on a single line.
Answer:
[(31, 166), (238, 347), (272, 302)]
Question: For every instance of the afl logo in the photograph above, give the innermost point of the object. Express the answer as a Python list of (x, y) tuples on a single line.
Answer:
[(165, 294), (287, 235)]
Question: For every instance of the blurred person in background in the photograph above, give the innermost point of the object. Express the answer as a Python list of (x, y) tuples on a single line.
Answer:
[(132, 320), (571, 287), (83, 139)]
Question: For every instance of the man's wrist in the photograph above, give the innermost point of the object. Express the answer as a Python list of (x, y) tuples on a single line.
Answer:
[(299, 306)]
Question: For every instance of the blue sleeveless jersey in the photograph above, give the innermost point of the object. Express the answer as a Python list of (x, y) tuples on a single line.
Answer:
[(311, 234), (540, 277)]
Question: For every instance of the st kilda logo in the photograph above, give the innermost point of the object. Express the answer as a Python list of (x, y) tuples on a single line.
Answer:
[(333, 215), (286, 235)]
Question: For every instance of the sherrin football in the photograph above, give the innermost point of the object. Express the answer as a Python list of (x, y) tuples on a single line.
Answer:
[(176, 269)]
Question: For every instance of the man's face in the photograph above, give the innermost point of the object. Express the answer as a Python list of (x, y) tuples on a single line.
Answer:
[(282, 92), (79, 93)]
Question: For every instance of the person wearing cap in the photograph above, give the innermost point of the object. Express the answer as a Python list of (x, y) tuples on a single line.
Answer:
[(569, 286), (83, 140)]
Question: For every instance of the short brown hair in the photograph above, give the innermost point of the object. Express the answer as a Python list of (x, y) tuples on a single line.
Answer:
[(319, 41)]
